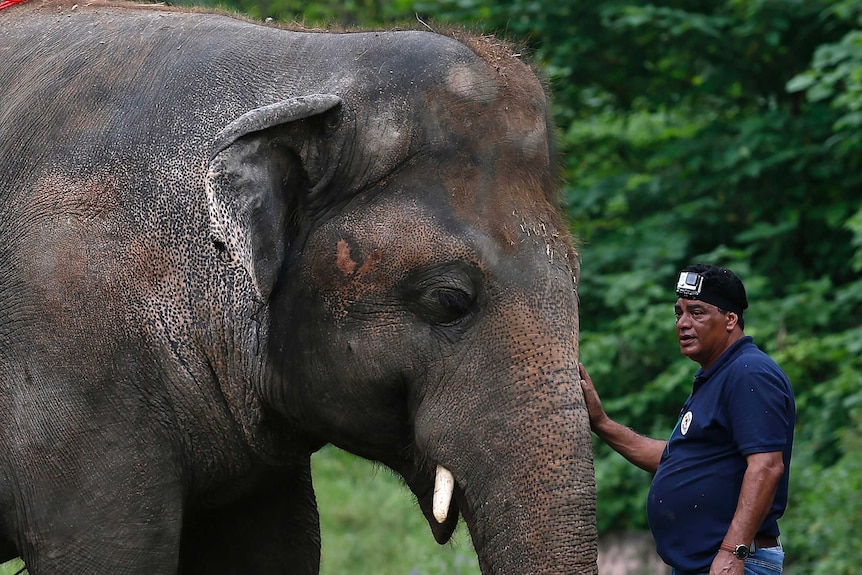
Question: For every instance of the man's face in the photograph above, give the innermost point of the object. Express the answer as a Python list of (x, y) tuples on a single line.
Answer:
[(703, 331)]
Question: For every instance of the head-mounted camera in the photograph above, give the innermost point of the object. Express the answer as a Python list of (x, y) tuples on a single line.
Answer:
[(689, 284)]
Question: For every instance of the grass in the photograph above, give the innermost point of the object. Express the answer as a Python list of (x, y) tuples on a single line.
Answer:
[(370, 523), (11, 567)]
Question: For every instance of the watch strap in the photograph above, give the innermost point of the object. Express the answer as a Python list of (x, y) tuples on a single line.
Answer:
[(737, 550)]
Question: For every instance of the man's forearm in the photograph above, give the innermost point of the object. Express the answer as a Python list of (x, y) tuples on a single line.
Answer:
[(642, 451), (755, 498)]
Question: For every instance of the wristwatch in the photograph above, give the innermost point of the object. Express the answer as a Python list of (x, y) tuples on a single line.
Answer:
[(740, 551)]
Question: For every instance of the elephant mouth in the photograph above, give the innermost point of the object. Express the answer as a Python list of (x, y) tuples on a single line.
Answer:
[(437, 499)]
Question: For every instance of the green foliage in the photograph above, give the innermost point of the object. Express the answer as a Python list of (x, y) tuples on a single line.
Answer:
[(828, 508), (835, 77), (324, 13)]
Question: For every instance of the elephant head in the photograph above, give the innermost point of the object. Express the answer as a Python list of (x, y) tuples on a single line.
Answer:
[(419, 292)]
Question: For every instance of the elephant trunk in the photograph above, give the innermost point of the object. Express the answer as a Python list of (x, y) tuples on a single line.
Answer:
[(522, 474)]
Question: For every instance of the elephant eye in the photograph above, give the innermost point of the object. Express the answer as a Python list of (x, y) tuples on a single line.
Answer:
[(453, 304), (443, 298)]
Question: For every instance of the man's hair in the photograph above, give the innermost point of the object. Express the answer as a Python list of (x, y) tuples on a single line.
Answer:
[(720, 287)]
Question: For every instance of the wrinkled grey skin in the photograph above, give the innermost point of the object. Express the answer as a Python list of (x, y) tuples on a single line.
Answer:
[(224, 245)]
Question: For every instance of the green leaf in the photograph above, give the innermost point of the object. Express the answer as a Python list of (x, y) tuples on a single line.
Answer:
[(800, 82)]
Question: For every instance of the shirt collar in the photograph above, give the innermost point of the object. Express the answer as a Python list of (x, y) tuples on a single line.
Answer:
[(702, 376)]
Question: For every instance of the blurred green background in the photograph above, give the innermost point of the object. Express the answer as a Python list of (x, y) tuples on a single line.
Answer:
[(370, 523), (725, 131)]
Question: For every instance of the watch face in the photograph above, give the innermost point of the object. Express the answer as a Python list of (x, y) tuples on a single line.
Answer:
[(742, 551)]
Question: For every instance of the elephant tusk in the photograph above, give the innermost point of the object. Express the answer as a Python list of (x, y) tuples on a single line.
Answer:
[(444, 485)]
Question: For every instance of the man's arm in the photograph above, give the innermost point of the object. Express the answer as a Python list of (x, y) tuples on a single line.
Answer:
[(759, 485), (639, 450)]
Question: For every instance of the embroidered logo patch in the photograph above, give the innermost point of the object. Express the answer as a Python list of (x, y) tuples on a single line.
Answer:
[(685, 423)]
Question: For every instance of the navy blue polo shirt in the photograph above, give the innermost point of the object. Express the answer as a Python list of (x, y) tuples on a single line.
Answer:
[(743, 404)]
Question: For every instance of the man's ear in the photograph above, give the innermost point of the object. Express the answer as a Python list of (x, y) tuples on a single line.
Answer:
[(732, 320), (261, 166)]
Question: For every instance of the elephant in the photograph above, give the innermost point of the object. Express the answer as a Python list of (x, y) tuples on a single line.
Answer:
[(225, 244)]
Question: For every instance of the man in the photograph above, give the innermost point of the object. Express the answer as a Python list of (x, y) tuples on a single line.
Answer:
[(721, 478)]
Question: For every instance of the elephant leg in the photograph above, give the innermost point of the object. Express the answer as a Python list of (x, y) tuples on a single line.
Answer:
[(111, 522), (97, 483), (274, 529)]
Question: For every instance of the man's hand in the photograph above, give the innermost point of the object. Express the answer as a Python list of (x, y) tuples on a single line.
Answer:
[(594, 402), (642, 451), (726, 563)]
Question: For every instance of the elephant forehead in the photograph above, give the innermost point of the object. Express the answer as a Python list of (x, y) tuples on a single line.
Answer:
[(384, 241), (498, 163)]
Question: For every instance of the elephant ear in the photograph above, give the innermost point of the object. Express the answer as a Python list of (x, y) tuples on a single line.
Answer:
[(261, 165)]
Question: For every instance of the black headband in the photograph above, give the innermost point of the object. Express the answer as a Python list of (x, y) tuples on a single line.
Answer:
[(690, 286)]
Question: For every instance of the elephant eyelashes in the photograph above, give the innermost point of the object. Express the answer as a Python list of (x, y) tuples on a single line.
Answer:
[(453, 305), (443, 298)]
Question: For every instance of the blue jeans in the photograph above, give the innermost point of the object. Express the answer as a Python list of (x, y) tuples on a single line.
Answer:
[(764, 561)]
